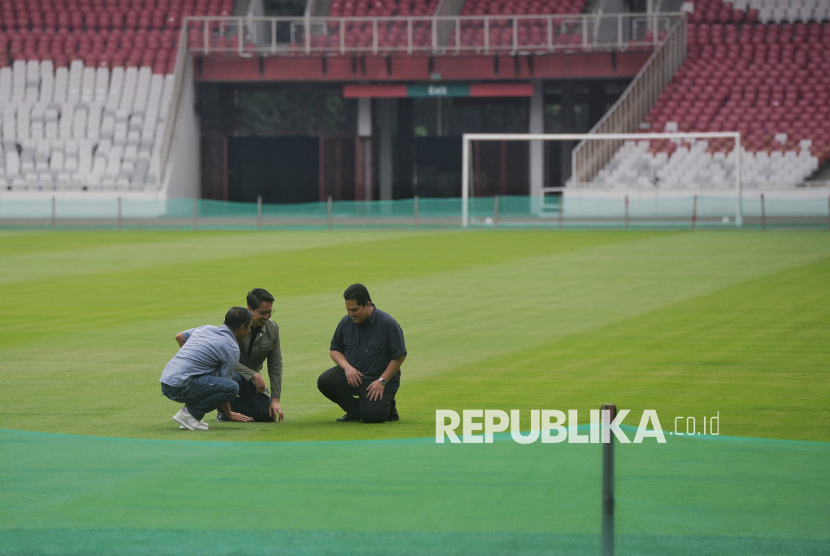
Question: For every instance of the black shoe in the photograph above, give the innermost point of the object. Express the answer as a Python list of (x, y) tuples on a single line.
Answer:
[(393, 412), (348, 417), (221, 417)]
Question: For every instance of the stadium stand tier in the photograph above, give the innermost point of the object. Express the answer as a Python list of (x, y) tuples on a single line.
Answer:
[(85, 89), (758, 68)]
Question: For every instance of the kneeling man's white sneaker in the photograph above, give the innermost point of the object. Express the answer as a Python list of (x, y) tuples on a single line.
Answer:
[(202, 422), (188, 421)]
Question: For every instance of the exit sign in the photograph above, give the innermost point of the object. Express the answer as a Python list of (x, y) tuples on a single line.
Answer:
[(433, 90)]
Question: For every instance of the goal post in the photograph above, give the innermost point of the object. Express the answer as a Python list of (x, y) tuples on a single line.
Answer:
[(468, 172)]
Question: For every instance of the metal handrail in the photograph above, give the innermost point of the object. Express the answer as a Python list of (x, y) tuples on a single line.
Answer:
[(625, 116), (304, 33)]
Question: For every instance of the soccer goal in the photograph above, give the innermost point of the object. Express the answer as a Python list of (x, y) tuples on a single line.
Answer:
[(601, 179)]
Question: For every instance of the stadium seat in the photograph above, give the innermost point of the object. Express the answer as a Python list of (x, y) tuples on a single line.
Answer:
[(76, 74), (765, 80)]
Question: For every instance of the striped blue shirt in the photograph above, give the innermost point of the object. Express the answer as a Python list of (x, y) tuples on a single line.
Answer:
[(208, 350)]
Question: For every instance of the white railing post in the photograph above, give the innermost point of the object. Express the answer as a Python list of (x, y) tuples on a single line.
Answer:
[(273, 36), (584, 32), (207, 38), (550, 34), (620, 40), (457, 34), (342, 37), (486, 35), (409, 35), (374, 35), (240, 37), (515, 35), (307, 30)]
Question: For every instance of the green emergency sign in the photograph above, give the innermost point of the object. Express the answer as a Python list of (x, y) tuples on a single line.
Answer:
[(438, 90)]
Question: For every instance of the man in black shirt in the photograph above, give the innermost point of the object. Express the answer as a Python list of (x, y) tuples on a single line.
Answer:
[(368, 348)]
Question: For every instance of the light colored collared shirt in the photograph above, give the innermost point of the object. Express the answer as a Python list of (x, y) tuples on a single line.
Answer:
[(208, 350)]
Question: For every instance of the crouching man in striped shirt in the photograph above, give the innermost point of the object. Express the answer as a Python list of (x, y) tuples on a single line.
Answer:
[(200, 374)]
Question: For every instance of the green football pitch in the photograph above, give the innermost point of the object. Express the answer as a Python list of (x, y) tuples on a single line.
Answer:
[(690, 324)]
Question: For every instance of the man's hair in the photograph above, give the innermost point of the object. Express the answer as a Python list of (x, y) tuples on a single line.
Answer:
[(238, 316), (358, 293), (257, 296)]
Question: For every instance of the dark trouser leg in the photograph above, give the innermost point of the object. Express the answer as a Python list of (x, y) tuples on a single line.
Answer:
[(256, 406), (333, 385), (375, 411), (203, 394)]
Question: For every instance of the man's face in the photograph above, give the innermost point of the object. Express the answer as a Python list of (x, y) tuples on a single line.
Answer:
[(359, 313), (261, 314), (242, 331)]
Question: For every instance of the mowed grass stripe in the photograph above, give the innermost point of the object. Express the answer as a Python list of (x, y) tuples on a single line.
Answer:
[(453, 319), (62, 255), (152, 288), (754, 352)]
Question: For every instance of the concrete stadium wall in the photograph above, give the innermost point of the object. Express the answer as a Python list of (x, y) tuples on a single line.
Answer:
[(184, 176)]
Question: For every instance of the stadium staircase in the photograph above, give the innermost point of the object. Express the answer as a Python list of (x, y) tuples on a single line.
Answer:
[(761, 68), (86, 88)]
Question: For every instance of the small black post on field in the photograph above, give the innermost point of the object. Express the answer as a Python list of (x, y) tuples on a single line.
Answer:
[(496, 212), (694, 212), (259, 213), (607, 479), (415, 212), (763, 214), (626, 213)]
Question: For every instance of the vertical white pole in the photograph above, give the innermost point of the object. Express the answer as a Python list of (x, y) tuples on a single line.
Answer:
[(739, 217), (465, 181), (415, 211), (119, 214), (259, 213), (763, 214), (54, 218), (626, 213)]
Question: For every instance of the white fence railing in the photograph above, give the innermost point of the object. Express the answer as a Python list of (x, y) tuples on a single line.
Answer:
[(248, 36)]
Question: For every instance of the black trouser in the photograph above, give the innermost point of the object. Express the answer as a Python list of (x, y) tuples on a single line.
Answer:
[(256, 406), (333, 385)]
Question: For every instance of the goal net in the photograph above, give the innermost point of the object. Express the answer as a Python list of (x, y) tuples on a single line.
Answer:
[(644, 179)]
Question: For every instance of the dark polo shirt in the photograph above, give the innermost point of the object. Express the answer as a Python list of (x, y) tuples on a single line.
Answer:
[(370, 345)]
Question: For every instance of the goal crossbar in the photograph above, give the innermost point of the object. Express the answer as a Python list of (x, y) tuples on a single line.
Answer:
[(468, 138)]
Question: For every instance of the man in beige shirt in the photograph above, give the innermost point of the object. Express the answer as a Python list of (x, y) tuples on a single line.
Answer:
[(261, 344)]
